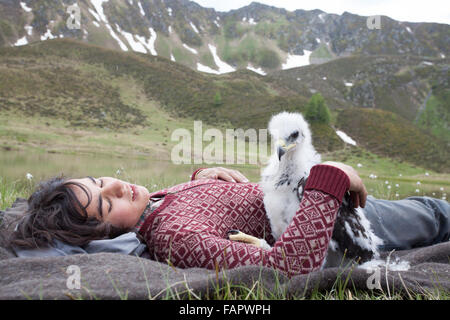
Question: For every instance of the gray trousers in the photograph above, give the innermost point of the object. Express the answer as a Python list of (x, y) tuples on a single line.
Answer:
[(409, 223)]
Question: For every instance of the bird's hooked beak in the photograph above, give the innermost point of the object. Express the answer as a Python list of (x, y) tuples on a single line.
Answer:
[(282, 148)]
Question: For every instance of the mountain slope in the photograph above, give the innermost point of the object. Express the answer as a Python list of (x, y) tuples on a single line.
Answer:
[(246, 100), (76, 82), (399, 84), (256, 37), (390, 135)]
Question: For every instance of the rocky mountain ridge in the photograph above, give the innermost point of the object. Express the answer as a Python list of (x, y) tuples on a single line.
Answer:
[(257, 37)]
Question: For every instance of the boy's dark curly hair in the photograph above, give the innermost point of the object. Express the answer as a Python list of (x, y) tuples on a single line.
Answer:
[(54, 212)]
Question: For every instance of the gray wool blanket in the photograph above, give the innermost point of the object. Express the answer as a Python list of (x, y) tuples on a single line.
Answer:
[(117, 276)]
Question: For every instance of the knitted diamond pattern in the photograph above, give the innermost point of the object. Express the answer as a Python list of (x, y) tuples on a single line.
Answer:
[(189, 229)]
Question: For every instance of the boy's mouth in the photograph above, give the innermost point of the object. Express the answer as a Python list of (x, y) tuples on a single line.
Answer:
[(134, 192)]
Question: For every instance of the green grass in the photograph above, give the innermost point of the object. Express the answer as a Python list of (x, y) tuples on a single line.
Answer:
[(70, 107), (251, 48), (87, 86), (224, 289), (390, 135), (321, 52), (381, 82), (436, 116), (402, 178), (20, 186), (11, 190)]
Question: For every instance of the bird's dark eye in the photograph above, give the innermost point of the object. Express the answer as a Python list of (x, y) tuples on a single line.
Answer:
[(294, 135)]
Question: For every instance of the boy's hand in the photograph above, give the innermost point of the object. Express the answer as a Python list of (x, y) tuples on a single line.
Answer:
[(221, 173), (357, 189)]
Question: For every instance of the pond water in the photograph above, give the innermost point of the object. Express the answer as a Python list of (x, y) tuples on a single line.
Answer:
[(157, 174), (14, 166)]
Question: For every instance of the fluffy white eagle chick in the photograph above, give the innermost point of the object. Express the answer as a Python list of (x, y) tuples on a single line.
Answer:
[(282, 182), (292, 158)]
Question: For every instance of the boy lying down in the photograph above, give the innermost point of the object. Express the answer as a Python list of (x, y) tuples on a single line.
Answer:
[(189, 223)]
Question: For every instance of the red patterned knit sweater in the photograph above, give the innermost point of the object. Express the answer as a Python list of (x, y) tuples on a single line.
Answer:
[(189, 228)]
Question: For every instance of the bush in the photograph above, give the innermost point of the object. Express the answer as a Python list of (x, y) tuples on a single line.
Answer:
[(217, 99), (317, 110), (268, 59)]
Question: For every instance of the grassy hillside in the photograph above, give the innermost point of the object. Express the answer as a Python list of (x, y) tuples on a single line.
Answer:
[(390, 135), (247, 100), (435, 116), (82, 86), (392, 83)]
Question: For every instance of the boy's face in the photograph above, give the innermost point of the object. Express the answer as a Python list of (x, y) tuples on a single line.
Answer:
[(117, 202)]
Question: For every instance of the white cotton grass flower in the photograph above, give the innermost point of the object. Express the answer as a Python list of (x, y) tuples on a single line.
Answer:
[(417, 190), (418, 183), (397, 195), (399, 174), (441, 188), (396, 185), (389, 187), (427, 174), (434, 193), (386, 182), (29, 176), (120, 171), (372, 176), (359, 165)]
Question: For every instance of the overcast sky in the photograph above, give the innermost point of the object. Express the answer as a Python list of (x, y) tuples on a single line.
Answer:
[(402, 10)]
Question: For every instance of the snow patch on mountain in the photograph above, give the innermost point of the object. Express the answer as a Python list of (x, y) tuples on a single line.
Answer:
[(345, 137), (21, 42), (115, 37), (294, 61), (322, 16), (150, 43), (194, 27), (29, 30), (47, 35), (94, 14), (25, 7), (223, 66), (257, 70), (135, 45), (190, 49), (100, 16), (141, 9), (98, 5), (203, 68)]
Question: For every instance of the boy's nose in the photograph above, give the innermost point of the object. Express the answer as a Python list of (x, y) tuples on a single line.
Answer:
[(115, 188)]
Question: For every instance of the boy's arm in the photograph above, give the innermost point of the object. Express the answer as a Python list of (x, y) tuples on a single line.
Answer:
[(221, 173), (300, 249)]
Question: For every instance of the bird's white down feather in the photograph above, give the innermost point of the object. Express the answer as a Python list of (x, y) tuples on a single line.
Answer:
[(281, 199), (279, 180)]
